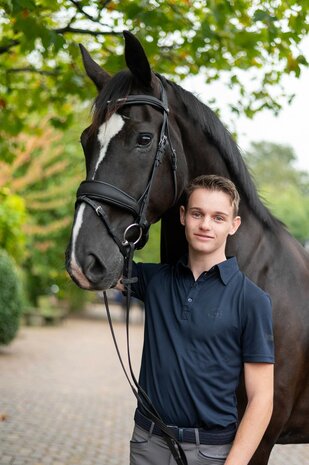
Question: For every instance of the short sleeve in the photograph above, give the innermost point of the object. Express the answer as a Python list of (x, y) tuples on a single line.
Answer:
[(257, 335), (144, 273)]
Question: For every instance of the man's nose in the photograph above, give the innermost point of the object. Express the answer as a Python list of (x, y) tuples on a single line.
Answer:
[(205, 223)]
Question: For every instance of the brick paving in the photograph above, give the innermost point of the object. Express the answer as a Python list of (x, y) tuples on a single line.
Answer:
[(64, 399)]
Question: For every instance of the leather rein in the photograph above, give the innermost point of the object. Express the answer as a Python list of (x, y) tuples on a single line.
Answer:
[(94, 193)]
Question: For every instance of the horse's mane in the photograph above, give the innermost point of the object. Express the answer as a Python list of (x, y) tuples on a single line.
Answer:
[(122, 84), (219, 136)]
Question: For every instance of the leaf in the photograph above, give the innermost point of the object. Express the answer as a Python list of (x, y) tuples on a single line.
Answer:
[(262, 15), (41, 69)]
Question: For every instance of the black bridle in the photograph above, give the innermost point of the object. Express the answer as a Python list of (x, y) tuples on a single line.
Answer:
[(94, 193)]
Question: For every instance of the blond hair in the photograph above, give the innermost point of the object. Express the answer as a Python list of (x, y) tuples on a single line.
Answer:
[(213, 182)]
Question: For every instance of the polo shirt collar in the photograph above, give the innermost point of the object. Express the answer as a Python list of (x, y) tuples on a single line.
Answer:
[(226, 269)]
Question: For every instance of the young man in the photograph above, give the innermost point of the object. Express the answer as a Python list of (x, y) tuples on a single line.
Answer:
[(205, 324)]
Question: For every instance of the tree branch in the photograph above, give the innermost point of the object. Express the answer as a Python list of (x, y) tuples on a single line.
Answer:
[(6, 48), (33, 70), (64, 30), (69, 29), (106, 3), (82, 11)]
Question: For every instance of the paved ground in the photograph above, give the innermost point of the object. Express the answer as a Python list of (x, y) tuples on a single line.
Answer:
[(64, 399)]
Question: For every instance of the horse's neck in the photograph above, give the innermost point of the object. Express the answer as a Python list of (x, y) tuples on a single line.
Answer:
[(201, 152), (202, 156), (253, 239), (253, 244)]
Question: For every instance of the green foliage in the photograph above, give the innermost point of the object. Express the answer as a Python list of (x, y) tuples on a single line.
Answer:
[(151, 252), (285, 189), (44, 173), (11, 302), (41, 70), (292, 207), (12, 219)]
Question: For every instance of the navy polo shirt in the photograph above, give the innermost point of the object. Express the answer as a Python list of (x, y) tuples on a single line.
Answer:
[(197, 336)]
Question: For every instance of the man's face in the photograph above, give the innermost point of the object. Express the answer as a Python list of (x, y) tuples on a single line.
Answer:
[(208, 220)]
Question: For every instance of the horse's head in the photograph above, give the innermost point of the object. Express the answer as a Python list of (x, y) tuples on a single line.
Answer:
[(130, 168)]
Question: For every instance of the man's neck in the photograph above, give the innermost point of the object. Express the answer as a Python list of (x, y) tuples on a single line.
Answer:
[(199, 263)]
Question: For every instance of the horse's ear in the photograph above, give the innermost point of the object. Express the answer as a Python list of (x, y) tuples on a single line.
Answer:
[(93, 70), (136, 59)]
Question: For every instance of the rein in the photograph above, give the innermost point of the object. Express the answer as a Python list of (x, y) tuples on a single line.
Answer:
[(137, 390), (96, 192)]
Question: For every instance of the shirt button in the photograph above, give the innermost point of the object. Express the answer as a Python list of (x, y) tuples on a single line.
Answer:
[(189, 299)]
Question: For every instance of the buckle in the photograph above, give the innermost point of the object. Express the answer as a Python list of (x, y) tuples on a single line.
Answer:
[(174, 430), (98, 210)]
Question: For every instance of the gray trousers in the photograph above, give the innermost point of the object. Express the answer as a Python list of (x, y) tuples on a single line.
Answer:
[(150, 449)]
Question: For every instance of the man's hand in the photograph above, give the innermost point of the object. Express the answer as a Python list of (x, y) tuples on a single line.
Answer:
[(119, 286)]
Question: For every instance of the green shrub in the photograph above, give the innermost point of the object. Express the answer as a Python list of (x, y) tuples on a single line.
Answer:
[(12, 218), (11, 301)]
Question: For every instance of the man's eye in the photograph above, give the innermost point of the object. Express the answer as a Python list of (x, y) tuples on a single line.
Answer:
[(196, 215), (219, 218), (144, 139)]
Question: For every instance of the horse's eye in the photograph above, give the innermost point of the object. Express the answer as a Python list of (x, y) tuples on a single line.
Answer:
[(144, 138)]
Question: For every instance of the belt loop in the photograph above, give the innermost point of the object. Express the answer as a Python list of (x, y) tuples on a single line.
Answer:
[(151, 429), (180, 434), (197, 436)]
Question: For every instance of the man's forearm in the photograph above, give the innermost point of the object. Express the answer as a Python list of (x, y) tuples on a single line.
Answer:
[(250, 431)]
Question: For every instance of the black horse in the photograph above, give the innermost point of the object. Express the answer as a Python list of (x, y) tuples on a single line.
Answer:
[(149, 137)]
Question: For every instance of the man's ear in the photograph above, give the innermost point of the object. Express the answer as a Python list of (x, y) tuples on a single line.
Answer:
[(236, 224), (182, 213)]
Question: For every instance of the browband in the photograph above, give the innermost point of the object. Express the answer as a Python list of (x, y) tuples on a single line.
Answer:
[(143, 100)]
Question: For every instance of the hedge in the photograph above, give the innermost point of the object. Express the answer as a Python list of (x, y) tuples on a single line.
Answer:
[(11, 301)]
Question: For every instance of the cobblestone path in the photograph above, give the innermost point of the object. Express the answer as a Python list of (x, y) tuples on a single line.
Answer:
[(65, 401)]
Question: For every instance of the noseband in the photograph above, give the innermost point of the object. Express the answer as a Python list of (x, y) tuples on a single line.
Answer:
[(94, 193)]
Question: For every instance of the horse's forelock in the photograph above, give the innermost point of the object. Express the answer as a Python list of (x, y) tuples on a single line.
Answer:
[(105, 105)]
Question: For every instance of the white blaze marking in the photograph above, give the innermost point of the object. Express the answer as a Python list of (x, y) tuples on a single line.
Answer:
[(75, 268), (106, 132)]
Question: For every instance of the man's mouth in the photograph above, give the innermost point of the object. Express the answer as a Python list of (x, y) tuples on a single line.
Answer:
[(203, 236)]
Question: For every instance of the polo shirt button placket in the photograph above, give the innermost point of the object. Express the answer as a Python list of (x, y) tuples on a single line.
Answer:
[(186, 311)]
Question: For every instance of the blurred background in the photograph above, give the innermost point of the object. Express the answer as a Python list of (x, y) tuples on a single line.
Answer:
[(246, 60)]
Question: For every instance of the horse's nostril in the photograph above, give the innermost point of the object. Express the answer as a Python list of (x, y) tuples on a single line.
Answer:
[(94, 268)]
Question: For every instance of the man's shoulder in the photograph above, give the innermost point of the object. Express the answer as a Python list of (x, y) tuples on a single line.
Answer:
[(150, 269), (152, 266), (253, 292)]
